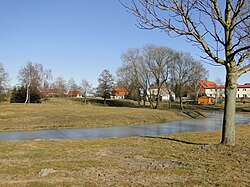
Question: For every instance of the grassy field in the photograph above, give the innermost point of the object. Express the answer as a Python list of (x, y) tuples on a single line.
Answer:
[(67, 113), (192, 159)]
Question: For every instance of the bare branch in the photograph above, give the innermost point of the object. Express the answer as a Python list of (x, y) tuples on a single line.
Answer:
[(243, 70)]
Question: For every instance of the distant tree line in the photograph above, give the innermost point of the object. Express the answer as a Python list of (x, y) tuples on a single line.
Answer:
[(159, 66), (151, 65), (35, 82)]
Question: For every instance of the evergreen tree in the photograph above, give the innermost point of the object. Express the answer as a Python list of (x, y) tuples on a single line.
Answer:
[(19, 95)]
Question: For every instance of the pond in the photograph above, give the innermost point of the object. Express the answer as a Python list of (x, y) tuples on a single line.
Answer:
[(213, 122)]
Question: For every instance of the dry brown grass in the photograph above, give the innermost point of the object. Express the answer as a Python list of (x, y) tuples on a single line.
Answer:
[(65, 113), (192, 159)]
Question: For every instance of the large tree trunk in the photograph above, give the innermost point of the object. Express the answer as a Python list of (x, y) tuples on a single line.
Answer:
[(158, 98), (181, 103), (170, 97), (144, 98), (151, 101), (85, 100), (139, 97), (228, 130), (196, 97), (170, 101), (105, 101)]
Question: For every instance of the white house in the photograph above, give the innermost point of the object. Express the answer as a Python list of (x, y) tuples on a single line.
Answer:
[(217, 91), (164, 93), (243, 91)]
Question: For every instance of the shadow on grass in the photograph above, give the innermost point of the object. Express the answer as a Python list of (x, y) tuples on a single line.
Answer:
[(109, 102), (175, 140), (113, 103)]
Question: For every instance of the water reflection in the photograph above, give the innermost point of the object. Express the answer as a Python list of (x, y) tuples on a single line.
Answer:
[(213, 122)]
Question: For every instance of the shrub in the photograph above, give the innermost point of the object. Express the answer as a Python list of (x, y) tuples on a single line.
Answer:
[(19, 95)]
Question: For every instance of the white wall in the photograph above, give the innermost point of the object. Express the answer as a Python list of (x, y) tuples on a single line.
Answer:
[(165, 96), (241, 92)]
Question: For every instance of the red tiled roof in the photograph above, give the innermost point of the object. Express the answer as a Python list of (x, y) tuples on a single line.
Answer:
[(73, 93), (212, 85), (120, 91), (207, 84), (220, 87), (54, 91), (223, 86), (243, 86)]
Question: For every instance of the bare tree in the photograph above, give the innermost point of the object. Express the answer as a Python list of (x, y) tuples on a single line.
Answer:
[(46, 77), (199, 73), (60, 85), (4, 78), (131, 71), (86, 89), (146, 79), (136, 75), (30, 78), (106, 83), (34, 76), (219, 28), (71, 84), (158, 61), (182, 73), (124, 77)]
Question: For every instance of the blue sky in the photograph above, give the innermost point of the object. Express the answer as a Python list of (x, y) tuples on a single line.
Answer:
[(77, 38)]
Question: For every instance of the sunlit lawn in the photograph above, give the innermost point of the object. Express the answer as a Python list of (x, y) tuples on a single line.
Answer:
[(192, 159), (65, 113)]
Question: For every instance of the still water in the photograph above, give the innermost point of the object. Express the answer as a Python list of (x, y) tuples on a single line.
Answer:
[(213, 122)]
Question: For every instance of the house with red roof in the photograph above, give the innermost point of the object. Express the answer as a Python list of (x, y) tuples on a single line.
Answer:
[(53, 92), (204, 85), (210, 89), (74, 93), (199, 89), (119, 93)]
